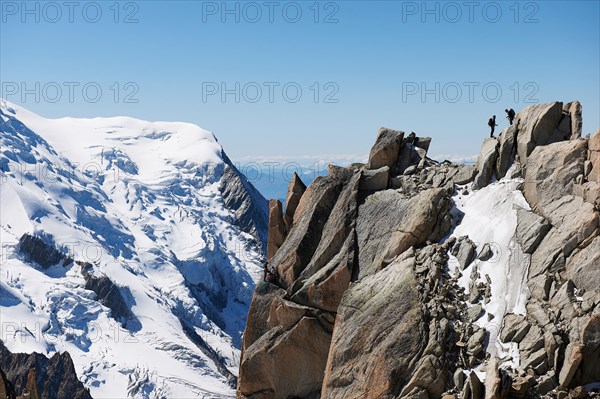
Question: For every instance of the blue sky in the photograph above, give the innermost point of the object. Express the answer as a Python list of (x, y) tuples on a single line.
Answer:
[(359, 65)]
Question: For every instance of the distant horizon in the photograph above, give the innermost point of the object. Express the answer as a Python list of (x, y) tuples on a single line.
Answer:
[(281, 160)]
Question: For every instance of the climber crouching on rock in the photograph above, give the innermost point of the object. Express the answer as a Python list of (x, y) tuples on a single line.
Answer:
[(268, 275)]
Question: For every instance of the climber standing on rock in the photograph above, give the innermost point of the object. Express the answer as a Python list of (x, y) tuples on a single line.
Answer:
[(492, 125), (510, 115)]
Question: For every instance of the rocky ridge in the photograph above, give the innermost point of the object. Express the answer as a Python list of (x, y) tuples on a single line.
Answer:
[(375, 295)]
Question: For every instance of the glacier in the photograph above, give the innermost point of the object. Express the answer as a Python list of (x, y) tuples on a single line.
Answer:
[(152, 213)]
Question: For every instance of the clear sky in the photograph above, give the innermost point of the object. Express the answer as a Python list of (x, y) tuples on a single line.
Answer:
[(236, 68)]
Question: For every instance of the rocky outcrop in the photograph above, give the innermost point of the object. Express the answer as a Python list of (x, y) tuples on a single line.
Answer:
[(583, 268), (285, 347), (486, 163), (7, 391), (375, 180), (342, 231), (594, 157), (386, 149), (324, 280), (300, 244), (37, 250), (389, 223), (250, 209), (537, 126), (388, 300), (110, 295), (34, 375), (364, 306), (573, 114), (295, 190), (551, 171), (588, 191), (506, 150), (531, 230), (277, 229), (464, 251), (574, 223)]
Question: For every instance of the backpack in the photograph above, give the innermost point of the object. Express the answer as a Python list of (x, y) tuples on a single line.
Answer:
[(491, 122)]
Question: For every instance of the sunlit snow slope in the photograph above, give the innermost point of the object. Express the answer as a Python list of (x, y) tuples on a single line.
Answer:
[(489, 216), (144, 204)]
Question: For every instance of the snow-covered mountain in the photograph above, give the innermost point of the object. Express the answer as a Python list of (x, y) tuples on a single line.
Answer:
[(133, 245)]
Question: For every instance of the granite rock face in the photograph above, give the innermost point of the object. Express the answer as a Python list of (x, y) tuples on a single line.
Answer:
[(296, 189), (364, 304), (249, 207), (36, 376)]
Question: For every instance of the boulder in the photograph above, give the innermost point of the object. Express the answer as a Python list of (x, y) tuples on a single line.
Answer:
[(486, 163), (389, 223), (562, 298), (411, 170), (588, 191), (276, 356), (521, 385), (386, 148), (284, 363), (573, 356), (465, 251), (375, 180), (459, 378), (531, 229), (507, 150), (340, 172), (575, 223), (573, 109), (584, 267), (410, 155), (423, 143), (474, 312), (486, 253), (514, 328), (475, 342), (429, 377), (257, 324), (575, 219), (407, 184), (532, 351), (546, 383), (389, 300), (309, 219), (277, 231), (588, 371), (551, 171), (465, 174), (473, 388), (295, 190), (497, 381), (536, 125), (594, 157)]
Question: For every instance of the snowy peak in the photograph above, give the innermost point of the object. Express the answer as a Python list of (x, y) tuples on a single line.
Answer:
[(152, 211)]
